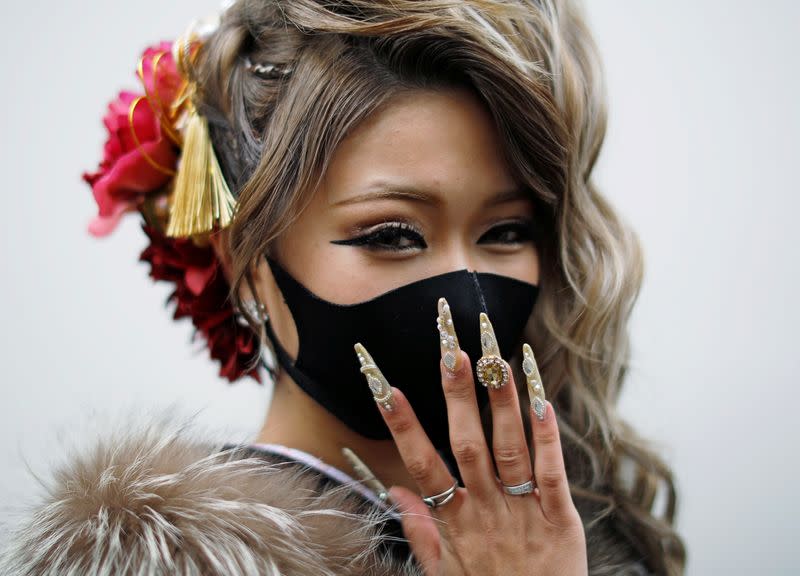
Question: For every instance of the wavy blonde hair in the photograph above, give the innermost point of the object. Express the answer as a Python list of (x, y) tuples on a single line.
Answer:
[(536, 67)]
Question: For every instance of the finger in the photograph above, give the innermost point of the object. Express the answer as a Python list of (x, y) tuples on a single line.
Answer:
[(511, 453), (551, 476), (467, 439), (419, 528), (422, 461)]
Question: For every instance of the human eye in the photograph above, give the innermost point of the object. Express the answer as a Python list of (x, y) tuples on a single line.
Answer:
[(514, 232), (388, 236)]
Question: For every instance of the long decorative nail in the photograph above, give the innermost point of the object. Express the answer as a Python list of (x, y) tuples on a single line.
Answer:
[(535, 387), (381, 390), (365, 475), (491, 368), (448, 341)]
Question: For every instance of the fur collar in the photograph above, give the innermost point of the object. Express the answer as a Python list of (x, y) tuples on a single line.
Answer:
[(160, 499)]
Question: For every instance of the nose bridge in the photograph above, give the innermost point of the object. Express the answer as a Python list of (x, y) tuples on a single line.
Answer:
[(458, 256)]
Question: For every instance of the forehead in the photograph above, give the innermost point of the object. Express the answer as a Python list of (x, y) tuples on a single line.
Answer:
[(444, 142)]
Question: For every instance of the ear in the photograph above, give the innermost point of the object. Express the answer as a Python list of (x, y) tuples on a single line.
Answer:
[(267, 288)]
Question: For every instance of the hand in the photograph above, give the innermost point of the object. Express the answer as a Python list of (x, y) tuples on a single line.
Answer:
[(482, 530)]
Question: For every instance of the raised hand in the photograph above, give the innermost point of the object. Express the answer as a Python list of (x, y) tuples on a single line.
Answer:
[(517, 518)]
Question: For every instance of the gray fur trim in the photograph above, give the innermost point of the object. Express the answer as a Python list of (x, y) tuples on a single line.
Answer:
[(156, 501)]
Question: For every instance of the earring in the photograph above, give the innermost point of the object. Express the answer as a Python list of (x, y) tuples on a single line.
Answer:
[(256, 309)]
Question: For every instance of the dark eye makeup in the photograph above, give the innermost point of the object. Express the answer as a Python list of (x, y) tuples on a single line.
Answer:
[(513, 232), (395, 236), (402, 236)]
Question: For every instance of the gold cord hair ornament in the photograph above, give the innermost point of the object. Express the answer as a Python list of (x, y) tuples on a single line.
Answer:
[(201, 198)]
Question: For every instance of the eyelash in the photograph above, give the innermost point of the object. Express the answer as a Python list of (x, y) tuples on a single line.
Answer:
[(381, 237)]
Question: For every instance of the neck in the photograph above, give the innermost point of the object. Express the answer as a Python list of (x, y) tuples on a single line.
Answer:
[(297, 421)]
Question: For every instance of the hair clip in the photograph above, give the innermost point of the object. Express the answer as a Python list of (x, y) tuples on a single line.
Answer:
[(267, 70)]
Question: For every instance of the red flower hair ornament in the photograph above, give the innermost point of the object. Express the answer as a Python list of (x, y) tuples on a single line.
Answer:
[(158, 161)]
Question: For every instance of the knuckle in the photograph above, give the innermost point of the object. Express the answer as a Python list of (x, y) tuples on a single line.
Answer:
[(455, 531), (550, 479), (491, 526), (457, 389), (511, 455), (567, 523), (466, 451), (546, 437), (402, 425), (421, 468), (503, 397)]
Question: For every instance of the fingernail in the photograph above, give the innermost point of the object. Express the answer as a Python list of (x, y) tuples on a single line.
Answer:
[(448, 341), (492, 370), (535, 387), (488, 339), (366, 475), (380, 388)]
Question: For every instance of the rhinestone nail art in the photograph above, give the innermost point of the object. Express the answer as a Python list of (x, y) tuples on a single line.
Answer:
[(378, 385), (366, 475), (492, 370), (448, 341), (535, 387)]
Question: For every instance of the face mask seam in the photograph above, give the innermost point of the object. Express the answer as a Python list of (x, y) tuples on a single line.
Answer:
[(474, 276)]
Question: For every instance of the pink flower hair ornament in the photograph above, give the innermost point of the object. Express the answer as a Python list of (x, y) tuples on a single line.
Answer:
[(158, 161)]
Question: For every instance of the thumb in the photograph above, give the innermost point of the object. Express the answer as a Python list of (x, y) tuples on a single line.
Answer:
[(419, 528)]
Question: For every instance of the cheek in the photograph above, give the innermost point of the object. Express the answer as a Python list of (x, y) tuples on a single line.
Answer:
[(532, 270), (523, 265), (339, 274)]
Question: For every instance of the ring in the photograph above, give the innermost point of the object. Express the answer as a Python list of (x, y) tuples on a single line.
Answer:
[(441, 499), (519, 489), (492, 371)]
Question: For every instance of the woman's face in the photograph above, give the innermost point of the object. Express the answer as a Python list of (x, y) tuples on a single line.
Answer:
[(418, 189)]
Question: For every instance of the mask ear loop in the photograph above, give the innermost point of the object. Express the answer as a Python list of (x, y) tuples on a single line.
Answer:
[(258, 310)]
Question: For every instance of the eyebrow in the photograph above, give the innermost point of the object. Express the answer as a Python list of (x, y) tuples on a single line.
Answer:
[(383, 191)]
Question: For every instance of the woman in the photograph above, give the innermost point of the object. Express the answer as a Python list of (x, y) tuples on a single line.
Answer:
[(346, 172)]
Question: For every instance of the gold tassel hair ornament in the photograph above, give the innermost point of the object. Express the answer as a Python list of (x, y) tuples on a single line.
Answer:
[(201, 198)]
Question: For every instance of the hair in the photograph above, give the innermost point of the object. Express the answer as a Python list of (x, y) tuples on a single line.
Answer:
[(536, 67)]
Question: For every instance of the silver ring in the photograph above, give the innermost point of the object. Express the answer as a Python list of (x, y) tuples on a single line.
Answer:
[(441, 499), (520, 489)]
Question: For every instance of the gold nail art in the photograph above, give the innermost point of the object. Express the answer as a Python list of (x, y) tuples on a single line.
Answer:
[(535, 387), (365, 475), (491, 368), (381, 390), (448, 341)]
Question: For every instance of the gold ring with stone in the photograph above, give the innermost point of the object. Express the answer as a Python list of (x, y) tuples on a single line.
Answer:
[(492, 370)]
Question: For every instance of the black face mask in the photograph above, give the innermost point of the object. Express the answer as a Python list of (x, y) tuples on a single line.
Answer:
[(398, 328)]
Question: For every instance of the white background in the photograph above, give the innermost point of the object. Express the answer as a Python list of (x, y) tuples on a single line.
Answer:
[(700, 157)]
